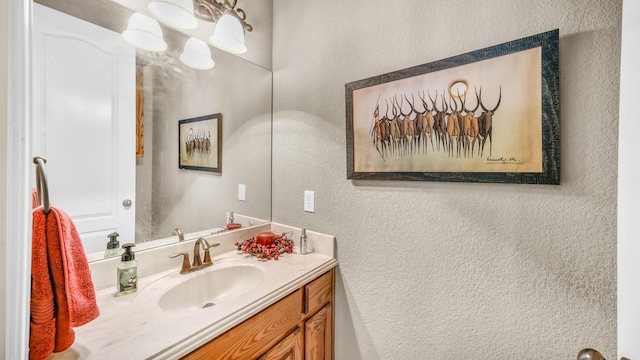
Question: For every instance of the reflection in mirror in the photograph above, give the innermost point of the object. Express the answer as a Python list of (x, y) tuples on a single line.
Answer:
[(85, 113)]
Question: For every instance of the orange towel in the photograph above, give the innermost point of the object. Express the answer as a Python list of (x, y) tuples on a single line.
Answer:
[(62, 293)]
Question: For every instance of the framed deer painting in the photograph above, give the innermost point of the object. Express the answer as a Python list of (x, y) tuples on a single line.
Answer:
[(491, 115), (200, 143)]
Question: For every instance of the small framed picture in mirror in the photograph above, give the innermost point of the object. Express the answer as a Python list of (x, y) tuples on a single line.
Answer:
[(200, 143)]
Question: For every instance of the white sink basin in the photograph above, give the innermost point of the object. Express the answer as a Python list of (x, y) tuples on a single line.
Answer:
[(211, 286)]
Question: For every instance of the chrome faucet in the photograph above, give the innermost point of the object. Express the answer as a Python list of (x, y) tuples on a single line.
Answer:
[(197, 264), (179, 233)]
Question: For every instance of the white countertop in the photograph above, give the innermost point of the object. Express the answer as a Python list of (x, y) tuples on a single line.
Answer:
[(135, 327)]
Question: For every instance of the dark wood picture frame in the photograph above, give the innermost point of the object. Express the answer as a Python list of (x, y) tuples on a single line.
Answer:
[(139, 111), (521, 145), (200, 143)]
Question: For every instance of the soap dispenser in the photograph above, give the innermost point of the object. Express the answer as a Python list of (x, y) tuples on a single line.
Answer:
[(303, 242), (112, 246), (231, 223), (127, 280)]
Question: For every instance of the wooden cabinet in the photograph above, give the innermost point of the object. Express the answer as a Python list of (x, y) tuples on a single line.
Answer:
[(318, 335), (291, 348), (299, 326), (318, 292)]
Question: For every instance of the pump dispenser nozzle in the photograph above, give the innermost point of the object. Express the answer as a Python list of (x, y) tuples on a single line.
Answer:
[(128, 255)]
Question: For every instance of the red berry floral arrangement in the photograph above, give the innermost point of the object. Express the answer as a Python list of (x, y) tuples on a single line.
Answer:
[(266, 245)]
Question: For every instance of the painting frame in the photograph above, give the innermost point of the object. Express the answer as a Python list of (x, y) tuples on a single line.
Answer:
[(548, 171), (200, 143)]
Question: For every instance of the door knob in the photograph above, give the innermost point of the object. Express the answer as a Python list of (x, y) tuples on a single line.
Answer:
[(591, 354), (127, 203)]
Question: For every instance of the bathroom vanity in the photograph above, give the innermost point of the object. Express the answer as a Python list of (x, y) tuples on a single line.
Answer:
[(297, 327), (240, 307)]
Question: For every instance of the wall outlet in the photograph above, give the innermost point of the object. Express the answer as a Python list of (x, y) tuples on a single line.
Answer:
[(309, 201), (242, 190)]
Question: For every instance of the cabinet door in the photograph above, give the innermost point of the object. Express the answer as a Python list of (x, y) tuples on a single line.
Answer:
[(290, 348), (319, 335)]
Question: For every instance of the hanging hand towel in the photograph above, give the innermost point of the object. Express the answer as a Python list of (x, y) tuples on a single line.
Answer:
[(71, 295), (43, 322)]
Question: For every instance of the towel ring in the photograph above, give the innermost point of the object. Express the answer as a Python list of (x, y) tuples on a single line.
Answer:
[(41, 183)]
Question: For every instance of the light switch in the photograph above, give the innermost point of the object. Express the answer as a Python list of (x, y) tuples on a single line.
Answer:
[(309, 201), (242, 189)]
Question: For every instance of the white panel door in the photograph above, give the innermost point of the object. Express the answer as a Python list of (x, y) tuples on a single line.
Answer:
[(84, 123)]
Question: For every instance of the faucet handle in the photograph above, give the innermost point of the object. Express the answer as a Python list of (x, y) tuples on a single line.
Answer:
[(206, 246), (207, 258), (186, 267), (207, 255)]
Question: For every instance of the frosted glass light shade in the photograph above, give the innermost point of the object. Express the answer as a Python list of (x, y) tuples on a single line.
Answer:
[(175, 13), (197, 55), (229, 35), (145, 33)]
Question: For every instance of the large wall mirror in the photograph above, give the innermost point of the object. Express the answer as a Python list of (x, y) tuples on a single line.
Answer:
[(85, 94)]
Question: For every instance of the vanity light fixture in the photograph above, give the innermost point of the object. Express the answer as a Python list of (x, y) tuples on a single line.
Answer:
[(231, 25), (145, 33), (197, 55), (175, 13)]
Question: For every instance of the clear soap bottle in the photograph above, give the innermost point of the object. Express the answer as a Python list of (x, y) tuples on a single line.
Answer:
[(127, 281), (113, 246)]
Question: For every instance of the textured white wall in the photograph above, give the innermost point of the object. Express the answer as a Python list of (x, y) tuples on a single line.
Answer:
[(447, 270)]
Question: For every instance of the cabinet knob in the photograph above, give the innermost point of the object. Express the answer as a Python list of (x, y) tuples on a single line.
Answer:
[(127, 203)]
